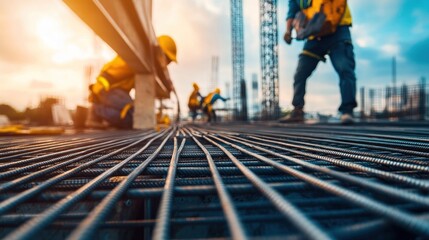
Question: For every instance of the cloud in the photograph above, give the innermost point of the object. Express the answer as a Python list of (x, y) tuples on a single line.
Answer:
[(43, 32), (390, 49), (361, 36), (44, 50), (29, 47)]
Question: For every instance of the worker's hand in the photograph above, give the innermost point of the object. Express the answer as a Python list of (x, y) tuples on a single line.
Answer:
[(288, 37)]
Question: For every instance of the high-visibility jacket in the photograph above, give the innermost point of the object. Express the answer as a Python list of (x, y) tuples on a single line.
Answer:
[(115, 74), (297, 5), (193, 101), (210, 99)]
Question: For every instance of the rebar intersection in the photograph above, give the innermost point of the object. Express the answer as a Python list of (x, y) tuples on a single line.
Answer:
[(222, 181)]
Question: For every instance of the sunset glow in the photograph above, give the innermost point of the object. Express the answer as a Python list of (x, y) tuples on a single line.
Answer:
[(48, 46)]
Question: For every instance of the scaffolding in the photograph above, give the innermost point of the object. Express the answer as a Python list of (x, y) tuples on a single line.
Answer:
[(239, 101), (269, 59)]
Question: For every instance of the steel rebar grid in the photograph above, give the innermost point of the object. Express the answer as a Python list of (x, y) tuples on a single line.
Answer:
[(343, 182), (401, 218)]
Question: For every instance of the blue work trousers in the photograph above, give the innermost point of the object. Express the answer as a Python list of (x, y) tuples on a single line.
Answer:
[(110, 105), (340, 50)]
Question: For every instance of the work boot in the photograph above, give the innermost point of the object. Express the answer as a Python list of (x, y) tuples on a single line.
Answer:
[(347, 119), (296, 116)]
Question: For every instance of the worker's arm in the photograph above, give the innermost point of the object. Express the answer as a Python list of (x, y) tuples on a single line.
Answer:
[(223, 99), (293, 10), (216, 97)]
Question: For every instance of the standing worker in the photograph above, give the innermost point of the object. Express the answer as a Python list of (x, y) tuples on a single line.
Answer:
[(194, 102), (110, 96), (208, 102), (327, 32)]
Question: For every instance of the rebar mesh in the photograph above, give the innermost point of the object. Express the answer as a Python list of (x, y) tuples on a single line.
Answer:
[(235, 181)]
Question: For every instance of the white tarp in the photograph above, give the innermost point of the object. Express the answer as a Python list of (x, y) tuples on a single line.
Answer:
[(61, 115)]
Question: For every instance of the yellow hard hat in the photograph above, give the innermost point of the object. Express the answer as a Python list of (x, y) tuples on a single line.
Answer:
[(217, 90), (168, 46), (195, 86)]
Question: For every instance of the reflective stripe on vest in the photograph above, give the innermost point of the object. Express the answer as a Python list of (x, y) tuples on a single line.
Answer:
[(313, 55), (109, 82), (125, 110), (103, 81)]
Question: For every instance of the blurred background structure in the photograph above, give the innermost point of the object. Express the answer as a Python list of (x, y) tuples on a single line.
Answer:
[(59, 65), (269, 59), (406, 102), (238, 67)]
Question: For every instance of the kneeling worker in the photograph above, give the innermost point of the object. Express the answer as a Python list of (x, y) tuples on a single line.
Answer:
[(194, 102), (110, 96), (208, 102)]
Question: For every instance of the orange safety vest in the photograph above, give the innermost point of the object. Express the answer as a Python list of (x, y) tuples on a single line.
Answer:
[(337, 13), (207, 100), (115, 74), (193, 101)]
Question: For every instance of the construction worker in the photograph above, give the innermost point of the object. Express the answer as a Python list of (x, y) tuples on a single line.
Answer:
[(110, 94), (194, 102), (337, 44), (208, 102)]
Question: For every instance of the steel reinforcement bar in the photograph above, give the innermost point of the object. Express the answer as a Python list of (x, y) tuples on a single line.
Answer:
[(220, 181)]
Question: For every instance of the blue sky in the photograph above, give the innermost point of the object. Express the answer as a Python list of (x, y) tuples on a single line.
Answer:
[(44, 48), (381, 29), (400, 29)]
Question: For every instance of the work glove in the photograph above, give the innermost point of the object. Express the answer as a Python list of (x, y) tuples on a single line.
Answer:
[(288, 37), (312, 28)]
